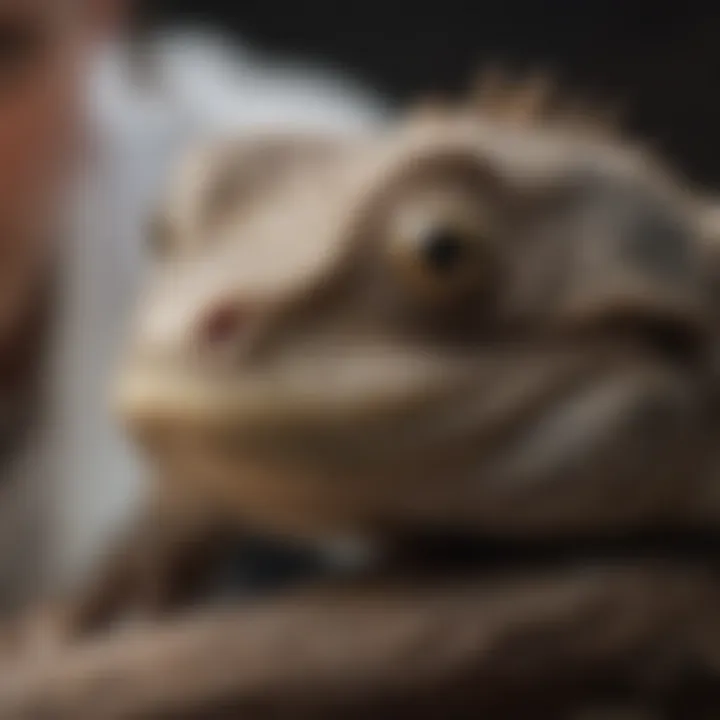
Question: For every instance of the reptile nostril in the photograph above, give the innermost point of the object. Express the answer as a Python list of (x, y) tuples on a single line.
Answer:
[(222, 325)]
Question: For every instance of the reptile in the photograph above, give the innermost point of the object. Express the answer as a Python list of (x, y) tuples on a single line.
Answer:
[(482, 337), (465, 322)]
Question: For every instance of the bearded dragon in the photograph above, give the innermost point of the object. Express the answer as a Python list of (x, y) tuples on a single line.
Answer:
[(479, 320), (492, 321)]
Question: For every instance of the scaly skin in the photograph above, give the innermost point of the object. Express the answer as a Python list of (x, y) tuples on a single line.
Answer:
[(469, 321), (496, 319)]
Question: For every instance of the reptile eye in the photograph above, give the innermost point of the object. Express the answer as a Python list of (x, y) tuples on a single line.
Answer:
[(443, 254), (443, 250)]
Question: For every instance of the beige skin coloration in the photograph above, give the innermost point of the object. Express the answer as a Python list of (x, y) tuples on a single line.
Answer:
[(493, 319), (463, 321)]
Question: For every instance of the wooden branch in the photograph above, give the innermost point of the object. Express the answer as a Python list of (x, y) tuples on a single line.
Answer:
[(384, 652)]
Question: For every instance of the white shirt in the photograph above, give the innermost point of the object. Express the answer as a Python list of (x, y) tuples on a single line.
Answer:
[(78, 481)]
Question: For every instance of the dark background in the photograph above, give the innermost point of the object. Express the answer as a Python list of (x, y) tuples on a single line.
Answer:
[(661, 60)]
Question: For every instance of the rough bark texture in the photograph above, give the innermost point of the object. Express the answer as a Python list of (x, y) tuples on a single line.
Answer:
[(548, 646)]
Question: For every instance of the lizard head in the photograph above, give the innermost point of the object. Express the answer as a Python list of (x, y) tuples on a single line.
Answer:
[(489, 317)]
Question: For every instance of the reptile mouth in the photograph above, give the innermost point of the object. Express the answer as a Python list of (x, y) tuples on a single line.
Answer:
[(364, 392), (301, 393)]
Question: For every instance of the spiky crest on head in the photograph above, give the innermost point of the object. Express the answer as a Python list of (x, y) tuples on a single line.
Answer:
[(532, 100)]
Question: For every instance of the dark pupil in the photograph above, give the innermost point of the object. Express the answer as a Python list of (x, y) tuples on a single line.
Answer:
[(442, 250)]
